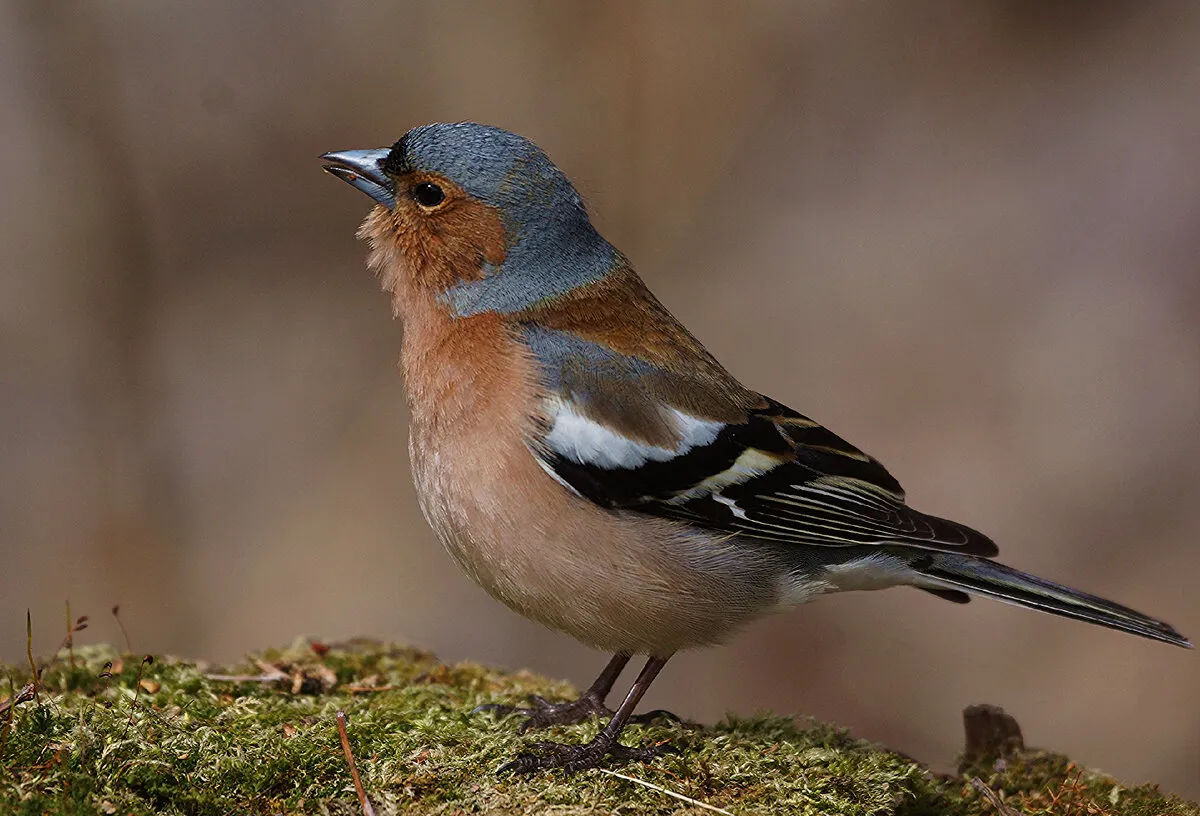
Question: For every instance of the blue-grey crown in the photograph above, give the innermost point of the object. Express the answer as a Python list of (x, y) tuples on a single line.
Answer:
[(491, 164), (553, 246)]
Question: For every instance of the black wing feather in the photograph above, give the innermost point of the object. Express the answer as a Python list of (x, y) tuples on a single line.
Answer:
[(779, 476)]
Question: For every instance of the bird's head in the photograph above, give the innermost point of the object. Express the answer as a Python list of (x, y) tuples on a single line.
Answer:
[(475, 216)]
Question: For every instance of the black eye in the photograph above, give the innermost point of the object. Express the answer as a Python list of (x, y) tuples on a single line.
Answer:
[(428, 195)]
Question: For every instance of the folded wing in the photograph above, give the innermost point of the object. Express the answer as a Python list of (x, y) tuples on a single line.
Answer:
[(772, 473)]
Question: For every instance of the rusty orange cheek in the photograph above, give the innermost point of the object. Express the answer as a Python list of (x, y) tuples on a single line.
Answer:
[(449, 246), (478, 225)]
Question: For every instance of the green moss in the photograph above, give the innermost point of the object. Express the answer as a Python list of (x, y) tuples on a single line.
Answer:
[(173, 740)]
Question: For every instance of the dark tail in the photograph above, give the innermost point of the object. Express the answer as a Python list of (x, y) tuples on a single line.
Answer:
[(994, 580)]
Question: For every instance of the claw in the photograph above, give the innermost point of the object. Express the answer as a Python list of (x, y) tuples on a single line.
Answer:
[(656, 714), (505, 709)]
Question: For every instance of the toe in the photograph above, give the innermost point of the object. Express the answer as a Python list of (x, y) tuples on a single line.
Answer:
[(656, 715)]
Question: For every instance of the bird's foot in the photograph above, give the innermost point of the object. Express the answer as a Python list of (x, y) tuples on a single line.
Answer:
[(541, 713), (601, 751)]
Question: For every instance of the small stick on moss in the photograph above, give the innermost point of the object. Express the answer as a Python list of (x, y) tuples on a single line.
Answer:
[(671, 793), (8, 707), (68, 642), (9, 704), (16, 698), (274, 676), (106, 676), (1070, 788), (358, 786), (116, 613), (29, 653), (993, 798), (137, 690), (78, 626)]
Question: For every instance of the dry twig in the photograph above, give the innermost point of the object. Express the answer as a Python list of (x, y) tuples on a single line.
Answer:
[(358, 786)]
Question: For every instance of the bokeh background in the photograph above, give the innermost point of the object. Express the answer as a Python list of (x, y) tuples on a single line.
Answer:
[(964, 235)]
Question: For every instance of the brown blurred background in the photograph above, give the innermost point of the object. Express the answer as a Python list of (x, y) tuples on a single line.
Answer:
[(965, 235)]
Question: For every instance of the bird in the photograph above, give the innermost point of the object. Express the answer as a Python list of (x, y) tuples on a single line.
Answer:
[(586, 460)]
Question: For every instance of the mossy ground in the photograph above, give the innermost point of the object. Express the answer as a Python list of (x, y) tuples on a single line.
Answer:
[(167, 738)]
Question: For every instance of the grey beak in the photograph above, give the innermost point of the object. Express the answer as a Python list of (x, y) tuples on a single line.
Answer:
[(363, 169)]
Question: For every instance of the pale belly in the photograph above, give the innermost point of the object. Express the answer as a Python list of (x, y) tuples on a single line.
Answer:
[(615, 581)]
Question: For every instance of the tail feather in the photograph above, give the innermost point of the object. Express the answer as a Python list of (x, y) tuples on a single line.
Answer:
[(994, 580)]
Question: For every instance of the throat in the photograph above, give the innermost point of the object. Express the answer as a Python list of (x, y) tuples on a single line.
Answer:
[(463, 370)]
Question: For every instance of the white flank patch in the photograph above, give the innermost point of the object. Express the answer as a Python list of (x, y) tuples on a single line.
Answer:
[(877, 571), (797, 589), (587, 442)]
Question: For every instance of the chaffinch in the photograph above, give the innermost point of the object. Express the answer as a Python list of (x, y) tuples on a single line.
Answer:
[(587, 461)]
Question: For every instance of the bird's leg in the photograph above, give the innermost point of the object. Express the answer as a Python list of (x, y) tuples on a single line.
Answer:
[(605, 748), (541, 713)]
